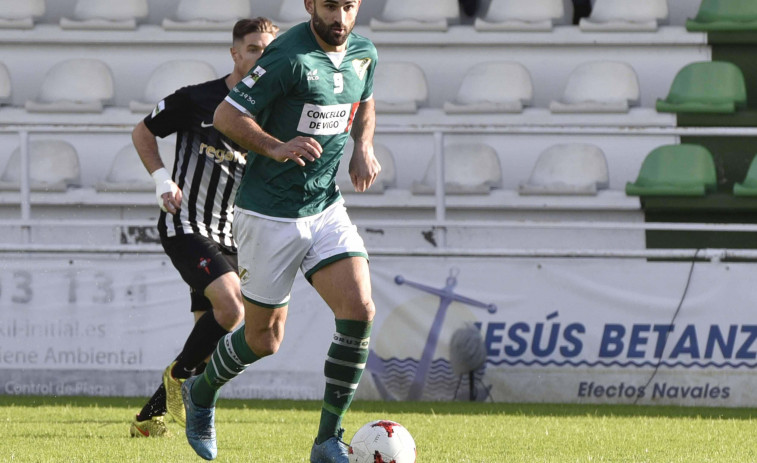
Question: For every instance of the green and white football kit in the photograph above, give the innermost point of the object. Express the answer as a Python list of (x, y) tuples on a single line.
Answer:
[(311, 93)]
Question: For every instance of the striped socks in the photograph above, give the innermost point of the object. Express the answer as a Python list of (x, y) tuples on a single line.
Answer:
[(344, 367), (231, 357)]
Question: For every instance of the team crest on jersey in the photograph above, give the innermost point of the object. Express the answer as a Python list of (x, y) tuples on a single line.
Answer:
[(160, 107), (361, 66), (256, 74)]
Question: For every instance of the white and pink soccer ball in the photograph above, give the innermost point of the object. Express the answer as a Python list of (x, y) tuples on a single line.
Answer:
[(382, 441)]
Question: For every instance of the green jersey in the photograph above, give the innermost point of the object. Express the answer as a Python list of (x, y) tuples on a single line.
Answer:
[(296, 90)]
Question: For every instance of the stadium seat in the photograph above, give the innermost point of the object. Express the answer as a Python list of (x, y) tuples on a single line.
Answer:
[(568, 169), (5, 84), (599, 87), (749, 186), (494, 87), (20, 14), (127, 172), (53, 166), (399, 87), (416, 15), (386, 179), (724, 15), (706, 87), (520, 15), (106, 14), (291, 13), (169, 77), (208, 15), (675, 170), (625, 15), (76, 86), (469, 168)]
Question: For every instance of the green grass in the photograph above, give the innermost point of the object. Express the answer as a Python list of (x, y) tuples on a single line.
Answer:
[(82, 429)]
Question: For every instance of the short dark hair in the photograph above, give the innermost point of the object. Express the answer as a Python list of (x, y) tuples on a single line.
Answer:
[(248, 26)]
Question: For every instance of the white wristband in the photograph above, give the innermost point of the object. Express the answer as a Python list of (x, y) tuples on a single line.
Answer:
[(163, 184)]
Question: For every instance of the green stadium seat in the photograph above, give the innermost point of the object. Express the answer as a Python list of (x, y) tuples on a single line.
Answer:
[(749, 186), (675, 170), (706, 87), (724, 15)]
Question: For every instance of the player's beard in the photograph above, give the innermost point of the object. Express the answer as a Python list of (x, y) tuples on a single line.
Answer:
[(326, 31)]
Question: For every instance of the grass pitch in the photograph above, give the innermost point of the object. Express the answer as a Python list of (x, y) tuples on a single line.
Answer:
[(83, 429)]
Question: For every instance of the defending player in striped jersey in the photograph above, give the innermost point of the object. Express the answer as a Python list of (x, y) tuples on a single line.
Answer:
[(196, 202), (311, 87)]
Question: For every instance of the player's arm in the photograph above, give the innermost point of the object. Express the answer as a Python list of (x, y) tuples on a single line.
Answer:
[(167, 192), (364, 167), (242, 128)]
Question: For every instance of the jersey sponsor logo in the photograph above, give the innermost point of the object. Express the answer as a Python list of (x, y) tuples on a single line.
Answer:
[(220, 155), (313, 74), (361, 66), (326, 120), (160, 107), (253, 77)]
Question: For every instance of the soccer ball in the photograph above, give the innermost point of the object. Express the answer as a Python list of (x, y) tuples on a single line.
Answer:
[(382, 441)]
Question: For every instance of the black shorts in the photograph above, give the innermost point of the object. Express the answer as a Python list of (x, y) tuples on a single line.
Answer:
[(200, 261)]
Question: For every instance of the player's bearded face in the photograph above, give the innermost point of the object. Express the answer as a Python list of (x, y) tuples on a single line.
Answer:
[(332, 30)]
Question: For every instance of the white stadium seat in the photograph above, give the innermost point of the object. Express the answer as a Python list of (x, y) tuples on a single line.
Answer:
[(625, 15), (469, 168), (599, 87), (20, 14), (208, 14), (386, 179), (53, 166), (127, 173), (169, 77), (568, 169), (291, 12), (416, 15), (5, 84), (106, 14), (520, 15), (75, 85), (399, 87), (493, 87)]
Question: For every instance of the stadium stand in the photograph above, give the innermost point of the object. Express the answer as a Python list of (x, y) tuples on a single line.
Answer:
[(724, 15), (127, 172), (706, 87), (169, 77), (748, 187), (106, 14), (517, 15), (53, 166), (568, 169), (20, 14), (599, 86), (622, 15), (493, 87), (5, 84), (417, 15), (469, 168), (75, 85), (290, 13), (399, 87), (675, 170), (208, 15), (387, 178)]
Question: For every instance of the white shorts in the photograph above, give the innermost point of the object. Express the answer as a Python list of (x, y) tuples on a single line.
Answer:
[(270, 249)]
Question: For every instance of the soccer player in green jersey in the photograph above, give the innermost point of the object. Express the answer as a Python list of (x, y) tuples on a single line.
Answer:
[(311, 89)]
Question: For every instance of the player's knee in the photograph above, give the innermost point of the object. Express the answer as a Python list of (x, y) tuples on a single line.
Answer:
[(362, 311), (228, 310), (263, 343)]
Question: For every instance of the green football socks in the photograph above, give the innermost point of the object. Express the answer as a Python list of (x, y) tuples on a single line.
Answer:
[(344, 367), (231, 357)]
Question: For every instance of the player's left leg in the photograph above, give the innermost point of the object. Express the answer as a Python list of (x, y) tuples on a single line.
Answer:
[(345, 286)]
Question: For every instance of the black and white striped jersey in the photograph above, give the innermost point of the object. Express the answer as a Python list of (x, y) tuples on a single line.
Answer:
[(208, 166)]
